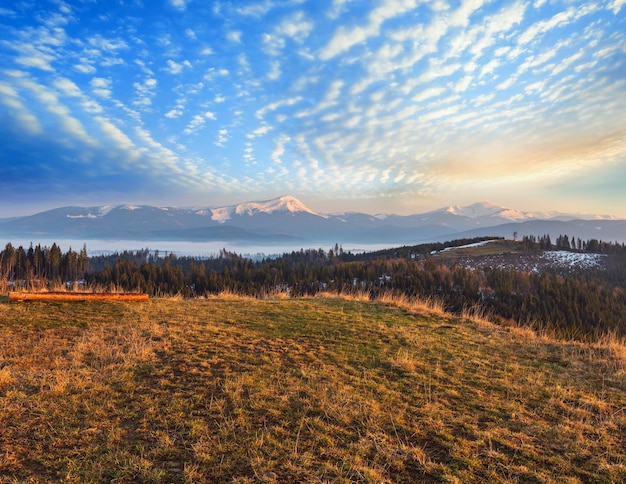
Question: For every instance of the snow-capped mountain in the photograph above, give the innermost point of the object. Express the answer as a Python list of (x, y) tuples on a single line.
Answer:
[(481, 210), (487, 211), (287, 219), (284, 204)]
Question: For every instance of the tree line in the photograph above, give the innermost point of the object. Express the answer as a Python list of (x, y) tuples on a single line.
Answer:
[(40, 266), (582, 304)]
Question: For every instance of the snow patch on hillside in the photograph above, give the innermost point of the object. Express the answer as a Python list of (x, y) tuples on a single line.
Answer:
[(573, 259), (220, 215), (105, 209), (467, 246), (536, 262), (89, 215)]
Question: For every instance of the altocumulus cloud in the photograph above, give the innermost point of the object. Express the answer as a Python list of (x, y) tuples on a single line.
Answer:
[(201, 103)]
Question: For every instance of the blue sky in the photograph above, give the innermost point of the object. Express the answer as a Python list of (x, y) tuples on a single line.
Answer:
[(379, 106)]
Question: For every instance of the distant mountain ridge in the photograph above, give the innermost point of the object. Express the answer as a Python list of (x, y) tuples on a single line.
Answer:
[(287, 219)]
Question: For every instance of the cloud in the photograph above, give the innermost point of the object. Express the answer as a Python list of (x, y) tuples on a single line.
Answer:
[(329, 100), (179, 4), (463, 84), (273, 44), (435, 70), (197, 122), (106, 44), (115, 134), (565, 64), (461, 16), (174, 113), (617, 5), (543, 26), (101, 87), (85, 67), (49, 100), (260, 114), (248, 154), (337, 8), (67, 87), (345, 38), (222, 137), (24, 118), (295, 27), (507, 83), (244, 64), (537, 60), (260, 131), (145, 92), (234, 36), (176, 68), (256, 9), (489, 67), (279, 149), (31, 57), (489, 30), (275, 71)]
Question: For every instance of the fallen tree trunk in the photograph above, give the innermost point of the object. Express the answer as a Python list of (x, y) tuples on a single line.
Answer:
[(77, 296)]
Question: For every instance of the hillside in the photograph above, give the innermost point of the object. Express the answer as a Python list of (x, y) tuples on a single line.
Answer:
[(293, 390), (509, 254)]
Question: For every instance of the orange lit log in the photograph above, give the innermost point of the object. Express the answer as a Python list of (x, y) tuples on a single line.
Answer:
[(77, 296)]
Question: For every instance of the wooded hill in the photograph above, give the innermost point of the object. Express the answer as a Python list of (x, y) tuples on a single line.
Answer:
[(578, 303)]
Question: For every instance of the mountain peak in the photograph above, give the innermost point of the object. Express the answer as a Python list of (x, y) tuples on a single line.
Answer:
[(475, 210), (286, 203)]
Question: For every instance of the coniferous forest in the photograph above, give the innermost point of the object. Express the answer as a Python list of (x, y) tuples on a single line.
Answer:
[(583, 303)]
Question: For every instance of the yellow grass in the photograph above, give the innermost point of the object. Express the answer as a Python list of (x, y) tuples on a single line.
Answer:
[(300, 390)]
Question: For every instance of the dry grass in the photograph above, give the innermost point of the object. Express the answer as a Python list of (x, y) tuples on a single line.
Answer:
[(300, 390), (429, 305)]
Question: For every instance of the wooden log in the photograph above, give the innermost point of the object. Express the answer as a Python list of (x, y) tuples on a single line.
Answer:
[(77, 296)]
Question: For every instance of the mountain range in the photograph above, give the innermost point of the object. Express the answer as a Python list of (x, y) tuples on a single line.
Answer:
[(287, 220)]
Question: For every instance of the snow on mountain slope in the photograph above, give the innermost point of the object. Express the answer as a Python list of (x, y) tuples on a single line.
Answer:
[(282, 204), (489, 211), (104, 210), (476, 210), (220, 215), (87, 215), (285, 203)]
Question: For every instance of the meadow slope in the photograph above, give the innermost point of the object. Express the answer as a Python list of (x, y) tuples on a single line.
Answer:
[(299, 390)]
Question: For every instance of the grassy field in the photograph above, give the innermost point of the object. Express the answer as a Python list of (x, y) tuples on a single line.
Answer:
[(299, 390)]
